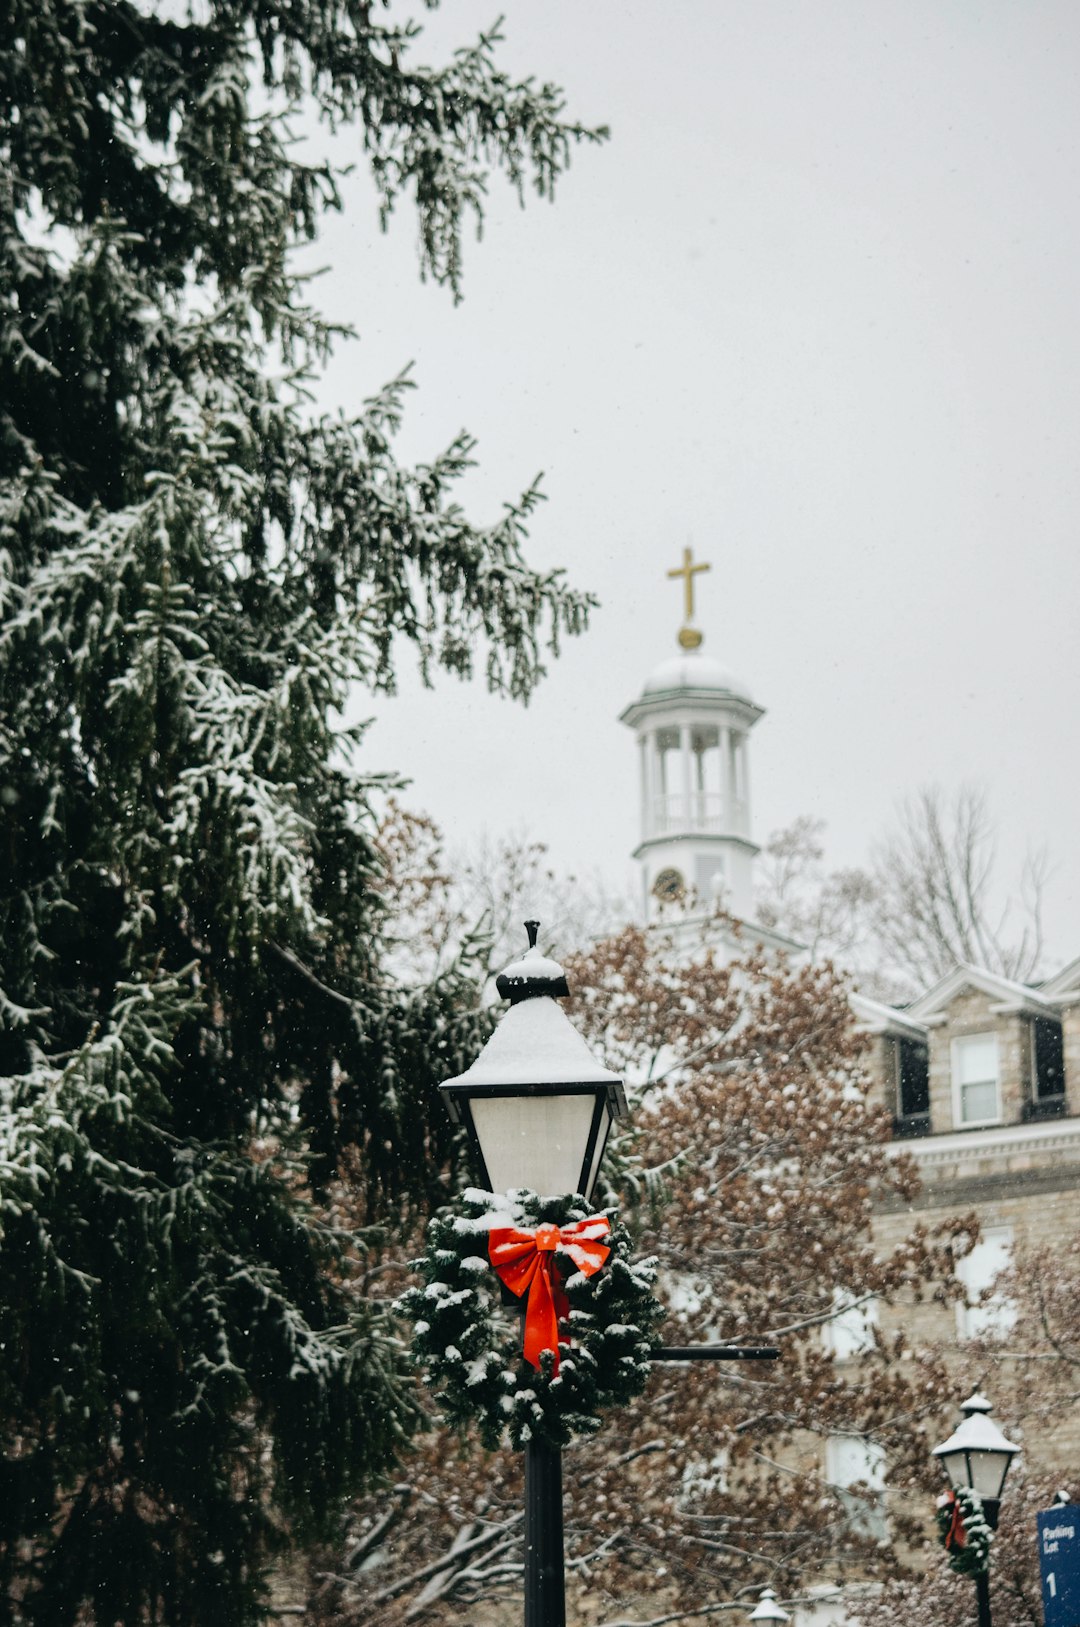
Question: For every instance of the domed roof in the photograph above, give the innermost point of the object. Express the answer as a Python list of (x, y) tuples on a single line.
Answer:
[(690, 670)]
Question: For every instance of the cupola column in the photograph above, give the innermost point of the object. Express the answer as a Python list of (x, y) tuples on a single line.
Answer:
[(652, 780), (727, 770), (744, 825), (686, 820)]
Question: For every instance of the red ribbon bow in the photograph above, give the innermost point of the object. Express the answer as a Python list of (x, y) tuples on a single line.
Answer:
[(525, 1261), (956, 1535)]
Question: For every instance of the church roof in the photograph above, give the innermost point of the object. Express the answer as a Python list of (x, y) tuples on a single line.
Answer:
[(696, 682), (690, 670)]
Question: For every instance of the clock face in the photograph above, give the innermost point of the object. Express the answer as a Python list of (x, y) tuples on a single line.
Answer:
[(668, 885)]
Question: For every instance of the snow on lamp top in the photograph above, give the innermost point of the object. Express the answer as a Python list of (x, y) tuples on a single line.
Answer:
[(533, 975), (768, 1609), (976, 1432), (535, 1043)]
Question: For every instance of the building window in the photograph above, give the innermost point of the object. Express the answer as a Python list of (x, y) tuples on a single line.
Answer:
[(975, 1079), (912, 1064), (856, 1471), (978, 1272), (710, 878), (1047, 1066), (851, 1331)]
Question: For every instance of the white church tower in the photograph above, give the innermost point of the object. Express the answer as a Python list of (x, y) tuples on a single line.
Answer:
[(693, 721)]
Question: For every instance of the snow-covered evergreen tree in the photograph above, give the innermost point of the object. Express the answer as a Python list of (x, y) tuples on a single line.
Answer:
[(195, 568)]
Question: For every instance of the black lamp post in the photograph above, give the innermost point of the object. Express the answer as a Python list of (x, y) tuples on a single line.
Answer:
[(537, 1108), (976, 1457)]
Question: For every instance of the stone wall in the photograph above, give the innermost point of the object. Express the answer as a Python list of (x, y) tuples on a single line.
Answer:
[(1070, 1027)]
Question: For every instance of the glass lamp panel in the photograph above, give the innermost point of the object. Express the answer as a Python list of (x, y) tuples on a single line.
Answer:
[(533, 1141), (956, 1467), (988, 1471), (598, 1150)]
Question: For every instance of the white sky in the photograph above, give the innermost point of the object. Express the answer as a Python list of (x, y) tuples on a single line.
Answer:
[(813, 307)]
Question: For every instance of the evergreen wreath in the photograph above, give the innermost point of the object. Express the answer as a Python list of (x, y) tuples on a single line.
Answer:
[(964, 1532), (469, 1339)]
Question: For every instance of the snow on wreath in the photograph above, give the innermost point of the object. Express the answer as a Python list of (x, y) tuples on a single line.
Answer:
[(589, 1322), (964, 1532)]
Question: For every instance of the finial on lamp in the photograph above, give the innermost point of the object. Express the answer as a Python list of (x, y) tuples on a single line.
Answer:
[(532, 974)]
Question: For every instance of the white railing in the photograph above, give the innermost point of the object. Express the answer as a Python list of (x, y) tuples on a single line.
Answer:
[(705, 812)]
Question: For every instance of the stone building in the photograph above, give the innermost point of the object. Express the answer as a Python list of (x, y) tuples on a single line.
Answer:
[(981, 1078), (979, 1075)]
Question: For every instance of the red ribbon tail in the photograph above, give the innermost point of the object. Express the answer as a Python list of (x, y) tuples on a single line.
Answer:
[(956, 1536), (541, 1315)]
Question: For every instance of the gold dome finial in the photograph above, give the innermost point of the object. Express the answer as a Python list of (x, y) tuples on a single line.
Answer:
[(689, 637)]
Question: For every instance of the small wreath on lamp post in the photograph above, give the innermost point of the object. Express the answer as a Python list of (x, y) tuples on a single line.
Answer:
[(964, 1532), (574, 1270)]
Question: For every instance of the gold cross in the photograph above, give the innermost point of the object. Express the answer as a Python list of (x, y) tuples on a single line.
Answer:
[(688, 571)]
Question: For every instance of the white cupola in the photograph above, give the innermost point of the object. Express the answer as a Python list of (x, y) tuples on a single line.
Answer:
[(693, 721)]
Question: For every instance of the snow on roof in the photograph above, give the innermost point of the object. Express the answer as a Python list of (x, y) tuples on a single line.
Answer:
[(690, 669), (878, 1018), (1010, 995), (535, 1042), (1067, 981), (977, 1432), (533, 964)]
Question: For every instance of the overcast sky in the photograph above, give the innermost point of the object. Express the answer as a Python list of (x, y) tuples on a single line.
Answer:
[(813, 307)]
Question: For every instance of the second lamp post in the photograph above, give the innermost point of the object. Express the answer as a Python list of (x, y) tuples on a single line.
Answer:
[(976, 1457)]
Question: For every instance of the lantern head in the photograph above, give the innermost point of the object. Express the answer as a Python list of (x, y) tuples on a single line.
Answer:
[(536, 1105)]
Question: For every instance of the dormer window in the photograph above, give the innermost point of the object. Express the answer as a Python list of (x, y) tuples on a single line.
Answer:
[(976, 1080), (1047, 1068), (912, 1069)]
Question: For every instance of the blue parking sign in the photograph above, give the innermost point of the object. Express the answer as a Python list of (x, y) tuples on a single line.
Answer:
[(1059, 1561)]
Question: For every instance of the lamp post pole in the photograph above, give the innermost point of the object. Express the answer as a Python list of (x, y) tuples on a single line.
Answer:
[(545, 1580)]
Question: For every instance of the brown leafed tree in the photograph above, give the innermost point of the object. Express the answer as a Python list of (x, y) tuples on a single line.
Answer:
[(752, 1171)]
